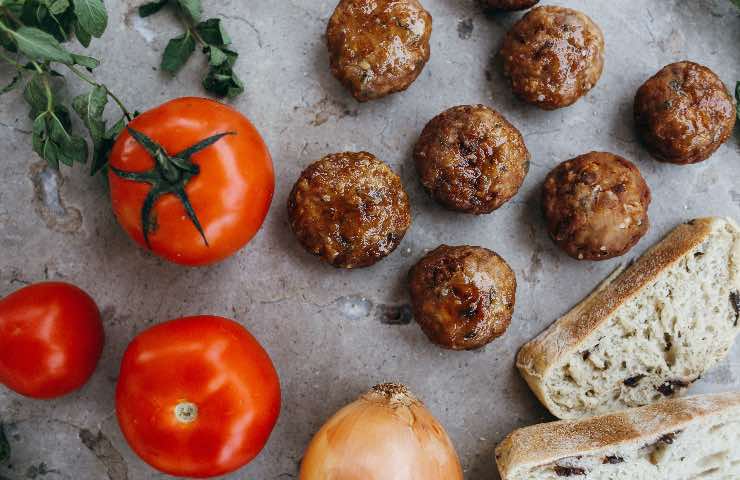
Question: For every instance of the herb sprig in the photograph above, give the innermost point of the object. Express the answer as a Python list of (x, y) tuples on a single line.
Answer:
[(32, 34), (210, 35)]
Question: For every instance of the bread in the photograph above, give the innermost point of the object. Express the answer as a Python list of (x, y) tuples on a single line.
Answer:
[(646, 333), (680, 439)]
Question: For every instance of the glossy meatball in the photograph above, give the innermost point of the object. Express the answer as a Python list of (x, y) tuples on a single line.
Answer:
[(378, 47), (684, 113), (553, 56), (471, 159), (349, 209), (511, 4), (462, 297), (596, 206)]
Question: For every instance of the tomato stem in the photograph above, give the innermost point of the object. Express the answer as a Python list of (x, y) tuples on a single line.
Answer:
[(170, 175)]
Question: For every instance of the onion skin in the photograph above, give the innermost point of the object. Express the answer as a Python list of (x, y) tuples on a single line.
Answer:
[(386, 434)]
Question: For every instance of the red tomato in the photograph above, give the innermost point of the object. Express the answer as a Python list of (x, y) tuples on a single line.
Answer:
[(51, 338), (197, 396), (228, 183)]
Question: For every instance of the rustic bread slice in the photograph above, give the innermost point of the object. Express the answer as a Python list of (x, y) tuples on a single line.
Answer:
[(680, 439), (646, 333)]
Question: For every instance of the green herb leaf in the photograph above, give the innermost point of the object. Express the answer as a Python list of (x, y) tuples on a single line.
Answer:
[(102, 151), (39, 45), (87, 62), (213, 32), (216, 56), (223, 82), (90, 108), (57, 7), (92, 16), (178, 52), (36, 95), (4, 445), (13, 84), (151, 8), (193, 8), (82, 35)]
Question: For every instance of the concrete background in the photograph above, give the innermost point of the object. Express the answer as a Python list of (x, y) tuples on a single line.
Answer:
[(323, 327)]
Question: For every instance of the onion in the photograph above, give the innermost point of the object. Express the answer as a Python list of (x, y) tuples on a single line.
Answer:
[(386, 434)]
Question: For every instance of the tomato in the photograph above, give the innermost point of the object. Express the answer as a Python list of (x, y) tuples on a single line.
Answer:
[(51, 338), (197, 396), (192, 207)]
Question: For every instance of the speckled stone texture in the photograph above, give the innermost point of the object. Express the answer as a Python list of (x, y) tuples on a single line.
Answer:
[(333, 333)]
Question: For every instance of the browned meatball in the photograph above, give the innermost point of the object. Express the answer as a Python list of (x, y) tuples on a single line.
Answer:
[(553, 56), (462, 297), (471, 159), (684, 113), (378, 47), (350, 209), (596, 206), (512, 4)]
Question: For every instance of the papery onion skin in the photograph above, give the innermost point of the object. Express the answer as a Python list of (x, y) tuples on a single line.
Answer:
[(386, 434)]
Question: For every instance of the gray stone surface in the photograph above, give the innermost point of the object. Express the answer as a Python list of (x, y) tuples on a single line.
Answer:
[(325, 328)]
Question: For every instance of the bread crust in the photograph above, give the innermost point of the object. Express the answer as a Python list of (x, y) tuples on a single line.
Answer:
[(568, 334), (546, 443)]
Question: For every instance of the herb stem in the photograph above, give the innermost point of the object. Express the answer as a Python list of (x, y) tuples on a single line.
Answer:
[(191, 29), (92, 82), (15, 63), (11, 16)]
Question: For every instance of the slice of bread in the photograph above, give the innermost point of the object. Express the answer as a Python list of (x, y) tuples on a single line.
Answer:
[(646, 333), (680, 439)]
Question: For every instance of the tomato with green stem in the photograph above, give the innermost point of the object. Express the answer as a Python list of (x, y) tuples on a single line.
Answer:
[(192, 180), (51, 338), (197, 396)]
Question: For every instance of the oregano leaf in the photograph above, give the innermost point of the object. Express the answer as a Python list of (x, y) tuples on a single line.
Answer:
[(35, 94), (193, 8), (213, 32), (151, 8), (39, 45), (92, 16), (57, 7), (90, 108), (178, 52), (82, 35), (85, 61), (216, 56)]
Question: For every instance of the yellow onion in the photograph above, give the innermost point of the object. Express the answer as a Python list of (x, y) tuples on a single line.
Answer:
[(386, 434)]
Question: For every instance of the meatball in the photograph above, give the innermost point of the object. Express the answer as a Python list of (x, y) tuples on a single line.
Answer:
[(378, 47), (553, 56), (349, 209), (511, 4), (462, 297), (471, 159), (684, 113), (596, 206)]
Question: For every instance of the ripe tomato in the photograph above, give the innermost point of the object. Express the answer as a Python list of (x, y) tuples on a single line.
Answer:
[(192, 179), (197, 396), (51, 338)]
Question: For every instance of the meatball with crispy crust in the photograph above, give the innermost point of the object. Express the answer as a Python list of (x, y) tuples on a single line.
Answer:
[(596, 206), (553, 56), (684, 113), (471, 159), (510, 5), (462, 297), (378, 47), (350, 209)]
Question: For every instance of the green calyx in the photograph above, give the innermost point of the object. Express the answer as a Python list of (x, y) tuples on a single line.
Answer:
[(170, 175)]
